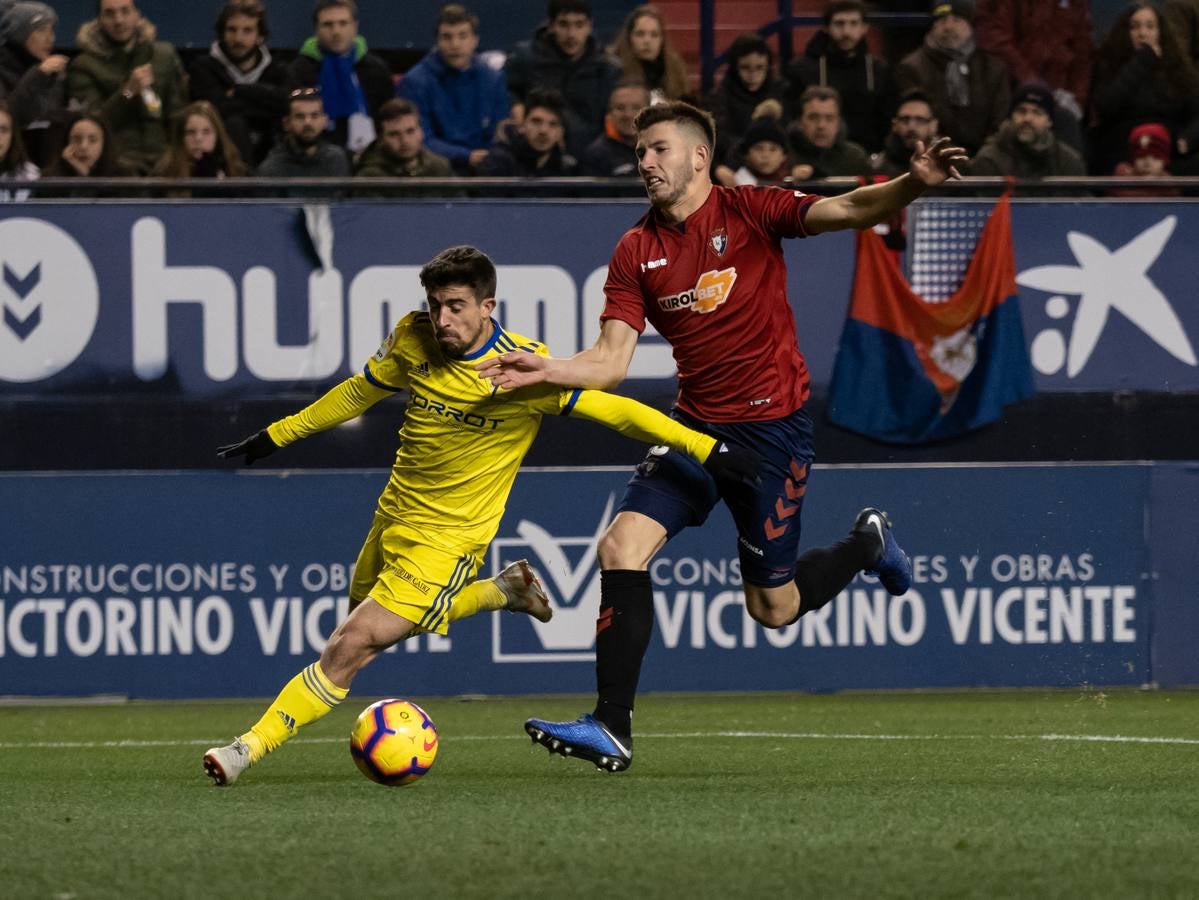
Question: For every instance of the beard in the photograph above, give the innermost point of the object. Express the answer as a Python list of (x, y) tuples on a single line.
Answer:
[(665, 201)]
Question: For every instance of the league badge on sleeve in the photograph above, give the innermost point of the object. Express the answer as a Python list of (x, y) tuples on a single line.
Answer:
[(719, 240)]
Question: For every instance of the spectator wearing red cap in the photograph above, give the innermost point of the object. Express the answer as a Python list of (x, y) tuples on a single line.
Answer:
[(968, 87), (1142, 76), (1025, 145), (1148, 157)]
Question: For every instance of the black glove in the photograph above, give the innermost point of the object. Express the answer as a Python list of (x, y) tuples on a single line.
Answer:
[(731, 462), (255, 447)]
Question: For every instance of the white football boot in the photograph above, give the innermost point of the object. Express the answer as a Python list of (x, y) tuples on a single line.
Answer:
[(224, 765), (523, 591)]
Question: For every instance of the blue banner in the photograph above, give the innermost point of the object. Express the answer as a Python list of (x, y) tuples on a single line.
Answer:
[(224, 298), (227, 583)]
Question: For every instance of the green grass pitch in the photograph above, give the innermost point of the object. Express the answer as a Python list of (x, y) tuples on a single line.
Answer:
[(763, 795)]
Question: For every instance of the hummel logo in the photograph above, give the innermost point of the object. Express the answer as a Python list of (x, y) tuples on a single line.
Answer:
[(25, 315), (1105, 280), (653, 264)]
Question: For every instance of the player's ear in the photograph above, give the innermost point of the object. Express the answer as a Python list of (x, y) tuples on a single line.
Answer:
[(488, 306), (702, 157)]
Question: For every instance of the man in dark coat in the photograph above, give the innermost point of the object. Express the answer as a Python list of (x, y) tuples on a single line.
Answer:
[(818, 147), (353, 82), (613, 154), (1025, 145), (838, 56), (534, 150), (241, 79), (969, 88), (564, 56)]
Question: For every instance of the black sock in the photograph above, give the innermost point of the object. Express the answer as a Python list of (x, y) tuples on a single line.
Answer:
[(822, 573), (622, 634)]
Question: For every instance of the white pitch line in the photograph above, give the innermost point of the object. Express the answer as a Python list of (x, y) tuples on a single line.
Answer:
[(690, 735)]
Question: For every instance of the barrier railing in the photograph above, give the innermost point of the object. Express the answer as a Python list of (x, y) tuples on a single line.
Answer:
[(176, 189)]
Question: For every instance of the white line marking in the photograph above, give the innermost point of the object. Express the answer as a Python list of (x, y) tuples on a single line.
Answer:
[(689, 735)]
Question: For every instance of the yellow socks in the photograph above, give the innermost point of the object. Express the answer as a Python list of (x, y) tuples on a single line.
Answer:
[(304, 699), (478, 596)]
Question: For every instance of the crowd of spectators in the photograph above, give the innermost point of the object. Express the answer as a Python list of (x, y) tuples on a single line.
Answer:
[(1018, 83)]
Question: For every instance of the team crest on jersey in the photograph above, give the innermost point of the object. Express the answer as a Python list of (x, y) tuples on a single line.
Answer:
[(719, 240), (711, 290)]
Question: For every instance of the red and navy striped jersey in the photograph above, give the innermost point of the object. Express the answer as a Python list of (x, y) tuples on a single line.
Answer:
[(716, 288)]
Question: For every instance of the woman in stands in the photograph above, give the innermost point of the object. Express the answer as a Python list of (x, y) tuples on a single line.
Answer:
[(88, 154), (748, 80), (14, 165), (1142, 75), (643, 51), (200, 147)]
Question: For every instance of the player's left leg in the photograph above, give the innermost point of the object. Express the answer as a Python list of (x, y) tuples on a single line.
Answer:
[(313, 693), (778, 587)]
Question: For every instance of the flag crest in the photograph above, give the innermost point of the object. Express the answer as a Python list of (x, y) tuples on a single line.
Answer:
[(909, 371)]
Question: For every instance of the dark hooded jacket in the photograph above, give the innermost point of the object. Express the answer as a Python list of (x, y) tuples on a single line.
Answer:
[(38, 102), (1003, 154), (584, 83), (843, 158), (863, 80), (250, 103), (374, 76), (515, 158)]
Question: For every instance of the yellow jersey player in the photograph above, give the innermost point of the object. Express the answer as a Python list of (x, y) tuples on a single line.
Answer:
[(462, 442)]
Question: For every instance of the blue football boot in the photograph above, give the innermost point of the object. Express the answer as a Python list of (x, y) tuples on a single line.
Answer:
[(586, 737), (893, 569)]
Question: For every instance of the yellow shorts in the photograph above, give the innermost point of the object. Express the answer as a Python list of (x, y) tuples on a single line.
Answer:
[(406, 573)]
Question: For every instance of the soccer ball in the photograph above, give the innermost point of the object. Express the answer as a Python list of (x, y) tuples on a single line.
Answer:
[(394, 742)]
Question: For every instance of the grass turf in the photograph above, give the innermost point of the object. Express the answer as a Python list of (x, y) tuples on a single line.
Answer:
[(956, 794)]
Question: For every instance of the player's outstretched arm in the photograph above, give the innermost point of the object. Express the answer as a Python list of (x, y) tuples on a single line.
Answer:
[(348, 400), (866, 206), (599, 367), (725, 461)]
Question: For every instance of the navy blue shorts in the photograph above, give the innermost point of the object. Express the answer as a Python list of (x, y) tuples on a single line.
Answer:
[(676, 491)]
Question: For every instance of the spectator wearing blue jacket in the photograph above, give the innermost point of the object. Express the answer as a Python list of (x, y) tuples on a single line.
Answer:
[(461, 99)]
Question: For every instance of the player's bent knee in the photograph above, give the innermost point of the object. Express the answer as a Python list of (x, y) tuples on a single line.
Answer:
[(615, 551), (771, 607)]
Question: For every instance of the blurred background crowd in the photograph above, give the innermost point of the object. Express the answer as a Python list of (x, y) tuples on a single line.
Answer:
[(1028, 87)]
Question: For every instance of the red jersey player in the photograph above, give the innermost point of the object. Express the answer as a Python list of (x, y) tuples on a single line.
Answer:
[(705, 267)]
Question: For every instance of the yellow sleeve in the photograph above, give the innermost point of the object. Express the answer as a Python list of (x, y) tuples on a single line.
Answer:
[(348, 400), (636, 420)]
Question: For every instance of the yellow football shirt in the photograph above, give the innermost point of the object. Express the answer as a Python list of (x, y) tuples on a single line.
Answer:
[(462, 441)]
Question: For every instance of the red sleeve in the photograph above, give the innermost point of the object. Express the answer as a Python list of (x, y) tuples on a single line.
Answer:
[(622, 291), (780, 211)]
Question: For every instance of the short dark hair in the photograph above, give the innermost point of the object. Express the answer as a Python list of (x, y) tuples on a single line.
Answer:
[(322, 5), (250, 8), (546, 98), (396, 108), (915, 95), (843, 6), (681, 112), (456, 14), (744, 45), (819, 92), (561, 7), (460, 265)]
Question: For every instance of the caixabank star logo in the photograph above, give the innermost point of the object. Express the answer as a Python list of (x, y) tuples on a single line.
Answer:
[(569, 571)]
